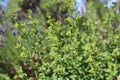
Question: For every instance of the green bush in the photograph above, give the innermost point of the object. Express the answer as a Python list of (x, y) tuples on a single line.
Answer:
[(83, 48), (79, 53)]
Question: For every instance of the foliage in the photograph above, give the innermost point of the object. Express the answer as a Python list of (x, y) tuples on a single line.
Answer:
[(3, 77), (83, 48)]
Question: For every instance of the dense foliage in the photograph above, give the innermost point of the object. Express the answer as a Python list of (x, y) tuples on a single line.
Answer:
[(71, 47)]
